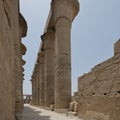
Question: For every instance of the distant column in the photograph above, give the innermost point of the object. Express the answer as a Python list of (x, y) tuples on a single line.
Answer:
[(37, 84), (42, 79), (64, 13), (49, 44), (33, 89)]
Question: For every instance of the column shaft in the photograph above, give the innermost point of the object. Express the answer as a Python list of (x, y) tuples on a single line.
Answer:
[(37, 87), (42, 80), (63, 64), (33, 91), (64, 12), (49, 68)]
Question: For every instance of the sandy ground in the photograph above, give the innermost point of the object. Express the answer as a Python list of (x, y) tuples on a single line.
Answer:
[(35, 113)]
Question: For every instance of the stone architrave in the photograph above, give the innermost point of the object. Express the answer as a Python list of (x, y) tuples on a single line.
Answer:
[(49, 45), (64, 12)]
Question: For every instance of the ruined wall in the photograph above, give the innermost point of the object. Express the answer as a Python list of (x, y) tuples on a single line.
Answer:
[(9, 39), (99, 90)]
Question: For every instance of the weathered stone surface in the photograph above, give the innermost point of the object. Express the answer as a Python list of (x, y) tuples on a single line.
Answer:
[(20, 50), (64, 13), (10, 60), (42, 78), (49, 47), (99, 90), (57, 57), (7, 58)]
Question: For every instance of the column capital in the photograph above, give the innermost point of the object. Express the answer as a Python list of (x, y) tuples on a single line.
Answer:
[(23, 62), (49, 35), (36, 67), (65, 8), (41, 54), (23, 49), (23, 69), (48, 39), (41, 57), (23, 25)]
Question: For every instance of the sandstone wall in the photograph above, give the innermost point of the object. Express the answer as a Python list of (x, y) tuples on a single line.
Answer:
[(9, 41), (99, 90)]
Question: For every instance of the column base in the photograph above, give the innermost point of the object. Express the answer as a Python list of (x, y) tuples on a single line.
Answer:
[(19, 116), (63, 111), (71, 114), (47, 108), (41, 106)]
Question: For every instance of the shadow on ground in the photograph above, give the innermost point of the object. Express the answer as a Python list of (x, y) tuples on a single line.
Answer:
[(32, 114)]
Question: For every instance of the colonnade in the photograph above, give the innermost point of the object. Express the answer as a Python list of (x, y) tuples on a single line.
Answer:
[(19, 62), (51, 79)]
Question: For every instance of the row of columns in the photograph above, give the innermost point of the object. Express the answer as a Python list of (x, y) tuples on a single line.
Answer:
[(19, 62), (54, 59)]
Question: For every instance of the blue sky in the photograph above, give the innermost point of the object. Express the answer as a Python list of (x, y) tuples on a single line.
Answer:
[(94, 31)]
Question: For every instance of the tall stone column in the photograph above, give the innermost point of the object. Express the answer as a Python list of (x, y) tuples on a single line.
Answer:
[(33, 90), (42, 79), (64, 12), (37, 85), (49, 45)]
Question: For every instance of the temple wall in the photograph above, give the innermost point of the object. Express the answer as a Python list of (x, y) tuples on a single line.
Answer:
[(99, 90)]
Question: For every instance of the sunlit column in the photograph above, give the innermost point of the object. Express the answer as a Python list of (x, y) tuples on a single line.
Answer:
[(64, 12), (37, 84), (48, 39), (42, 79)]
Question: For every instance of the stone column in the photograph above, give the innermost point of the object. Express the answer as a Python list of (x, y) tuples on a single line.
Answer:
[(33, 86), (64, 12), (48, 39), (37, 85), (42, 78), (32, 90)]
